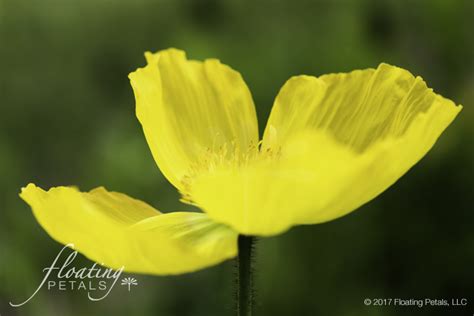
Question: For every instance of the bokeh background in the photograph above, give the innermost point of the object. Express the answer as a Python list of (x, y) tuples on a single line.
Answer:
[(67, 118)]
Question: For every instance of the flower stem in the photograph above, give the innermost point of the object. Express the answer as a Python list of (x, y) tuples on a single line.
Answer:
[(244, 276)]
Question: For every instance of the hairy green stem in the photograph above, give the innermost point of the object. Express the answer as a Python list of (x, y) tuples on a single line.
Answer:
[(244, 276)]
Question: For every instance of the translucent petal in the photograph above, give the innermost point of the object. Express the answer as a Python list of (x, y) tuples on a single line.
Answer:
[(113, 229), (190, 109), (358, 108), (331, 144)]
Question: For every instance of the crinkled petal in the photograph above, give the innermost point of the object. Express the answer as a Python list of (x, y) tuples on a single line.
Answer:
[(190, 109), (331, 144), (115, 230)]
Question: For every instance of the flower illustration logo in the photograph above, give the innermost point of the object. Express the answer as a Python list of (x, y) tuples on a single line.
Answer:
[(129, 281)]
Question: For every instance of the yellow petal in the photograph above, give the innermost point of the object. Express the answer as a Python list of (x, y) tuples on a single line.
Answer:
[(189, 109), (331, 144), (116, 230), (357, 108)]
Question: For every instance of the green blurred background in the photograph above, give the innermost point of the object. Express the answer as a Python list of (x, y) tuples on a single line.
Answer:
[(67, 118)]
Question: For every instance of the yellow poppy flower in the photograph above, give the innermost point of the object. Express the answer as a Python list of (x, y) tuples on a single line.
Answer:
[(331, 144)]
